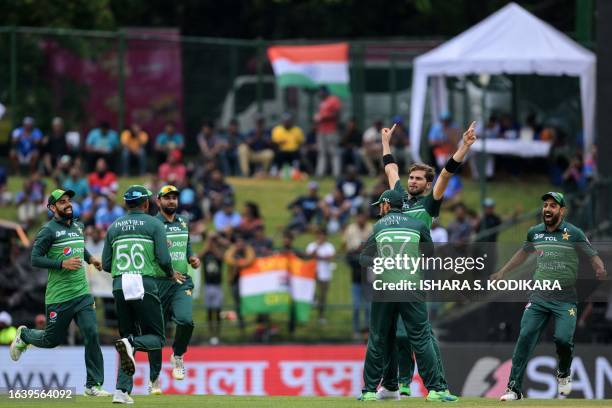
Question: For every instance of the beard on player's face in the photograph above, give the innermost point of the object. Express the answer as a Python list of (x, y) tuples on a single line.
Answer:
[(550, 216), (169, 210), (65, 212)]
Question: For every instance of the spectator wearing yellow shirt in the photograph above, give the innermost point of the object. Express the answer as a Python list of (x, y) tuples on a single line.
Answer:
[(134, 141), (7, 330), (288, 139)]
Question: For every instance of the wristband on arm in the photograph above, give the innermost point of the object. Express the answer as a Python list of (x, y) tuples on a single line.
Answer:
[(388, 159), (452, 165)]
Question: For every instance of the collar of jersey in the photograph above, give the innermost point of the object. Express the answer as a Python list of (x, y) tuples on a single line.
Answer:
[(559, 228)]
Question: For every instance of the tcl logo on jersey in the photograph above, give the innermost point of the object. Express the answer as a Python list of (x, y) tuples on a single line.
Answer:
[(173, 229), (67, 251)]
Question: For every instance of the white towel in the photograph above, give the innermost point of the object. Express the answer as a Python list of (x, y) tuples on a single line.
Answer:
[(132, 286)]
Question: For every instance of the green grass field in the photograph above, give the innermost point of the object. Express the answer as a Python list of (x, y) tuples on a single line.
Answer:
[(253, 402)]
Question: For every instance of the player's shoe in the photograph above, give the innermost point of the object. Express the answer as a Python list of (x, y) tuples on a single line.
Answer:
[(564, 384), (96, 391), (510, 395), (385, 394), (178, 367), (368, 396), (18, 346), (121, 397), (155, 387), (404, 390), (441, 396), (126, 356)]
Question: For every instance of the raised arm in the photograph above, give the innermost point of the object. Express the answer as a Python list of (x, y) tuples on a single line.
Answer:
[(517, 259), (391, 169), (469, 137)]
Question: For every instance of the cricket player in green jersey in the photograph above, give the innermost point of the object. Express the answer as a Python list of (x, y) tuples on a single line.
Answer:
[(177, 300), (557, 244), (135, 249), (425, 207), (397, 232), (60, 248)]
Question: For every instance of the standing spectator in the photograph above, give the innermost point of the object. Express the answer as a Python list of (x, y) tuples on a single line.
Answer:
[(400, 145), (351, 187), (371, 148), (108, 211), (354, 236), (227, 217), (443, 137), (336, 210), (288, 139), (134, 141), (251, 220), (238, 256), (323, 251), (53, 146), (438, 233), (173, 171), (25, 145), (216, 192), (233, 139), (308, 204), (77, 183), (309, 150), (168, 141), (102, 142), (212, 146), (328, 139), (490, 131), (351, 144), (460, 229), (256, 149), (262, 245), (103, 179)]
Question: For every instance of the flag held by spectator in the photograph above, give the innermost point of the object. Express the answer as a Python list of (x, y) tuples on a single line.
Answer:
[(302, 285), (264, 286), (310, 66)]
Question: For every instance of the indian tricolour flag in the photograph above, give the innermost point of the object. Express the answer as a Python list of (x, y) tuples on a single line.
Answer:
[(310, 66), (302, 285), (264, 286)]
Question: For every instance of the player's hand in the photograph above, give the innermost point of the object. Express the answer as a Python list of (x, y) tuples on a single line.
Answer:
[(469, 137), (496, 276), (178, 277), (72, 264), (96, 263), (601, 274), (386, 133), (194, 261)]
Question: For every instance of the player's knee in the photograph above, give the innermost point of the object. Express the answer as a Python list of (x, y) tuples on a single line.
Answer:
[(185, 322), (563, 342)]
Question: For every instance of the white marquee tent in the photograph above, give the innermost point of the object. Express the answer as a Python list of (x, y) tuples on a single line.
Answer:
[(510, 41)]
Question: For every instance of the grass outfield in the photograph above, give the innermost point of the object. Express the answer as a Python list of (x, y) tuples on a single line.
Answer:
[(250, 402)]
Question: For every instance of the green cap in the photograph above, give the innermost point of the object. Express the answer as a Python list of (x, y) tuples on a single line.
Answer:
[(392, 197), (57, 194), (136, 192), (167, 189), (558, 197)]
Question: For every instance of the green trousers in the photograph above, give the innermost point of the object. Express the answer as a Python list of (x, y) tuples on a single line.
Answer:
[(177, 304), (381, 342), (400, 366), (141, 320), (534, 321), (59, 316)]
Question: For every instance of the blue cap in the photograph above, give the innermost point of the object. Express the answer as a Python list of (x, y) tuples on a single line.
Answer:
[(137, 192)]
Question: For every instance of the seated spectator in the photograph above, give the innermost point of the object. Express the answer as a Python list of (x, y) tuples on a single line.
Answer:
[(381, 185), (400, 144), (490, 131), (309, 150), (94, 241), (233, 139), (108, 211), (251, 219), (438, 233), (260, 242), (460, 229), (443, 137), (134, 141), (191, 211), (7, 330), (216, 192), (227, 217), (53, 146), (336, 210), (212, 146), (25, 146), (351, 187), (371, 147), (90, 205), (62, 170), (323, 251), (103, 179), (173, 171), (308, 204), (288, 139), (102, 142), (167, 141), (508, 128), (256, 149), (350, 144), (531, 130), (77, 183), (30, 201)]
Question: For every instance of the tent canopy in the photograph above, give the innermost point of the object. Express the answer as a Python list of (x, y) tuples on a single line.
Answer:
[(510, 41)]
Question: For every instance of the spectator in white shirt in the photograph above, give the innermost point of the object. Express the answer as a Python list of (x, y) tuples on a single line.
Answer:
[(323, 251), (438, 233)]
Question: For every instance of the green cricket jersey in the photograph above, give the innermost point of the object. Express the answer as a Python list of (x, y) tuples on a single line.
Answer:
[(179, 245), (57, 241), (136, 243), (424, 208), (557, 253)]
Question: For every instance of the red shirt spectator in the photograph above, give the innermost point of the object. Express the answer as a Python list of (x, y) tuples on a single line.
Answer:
[(173, 171), (103, 179), (328, 115)]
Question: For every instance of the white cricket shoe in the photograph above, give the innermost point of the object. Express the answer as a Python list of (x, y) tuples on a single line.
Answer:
[(121, 397), (564, 385), (126, 356), (18, 346), (385, 394), (96, 391), (155, 387), (510, 395), (178, 367)]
